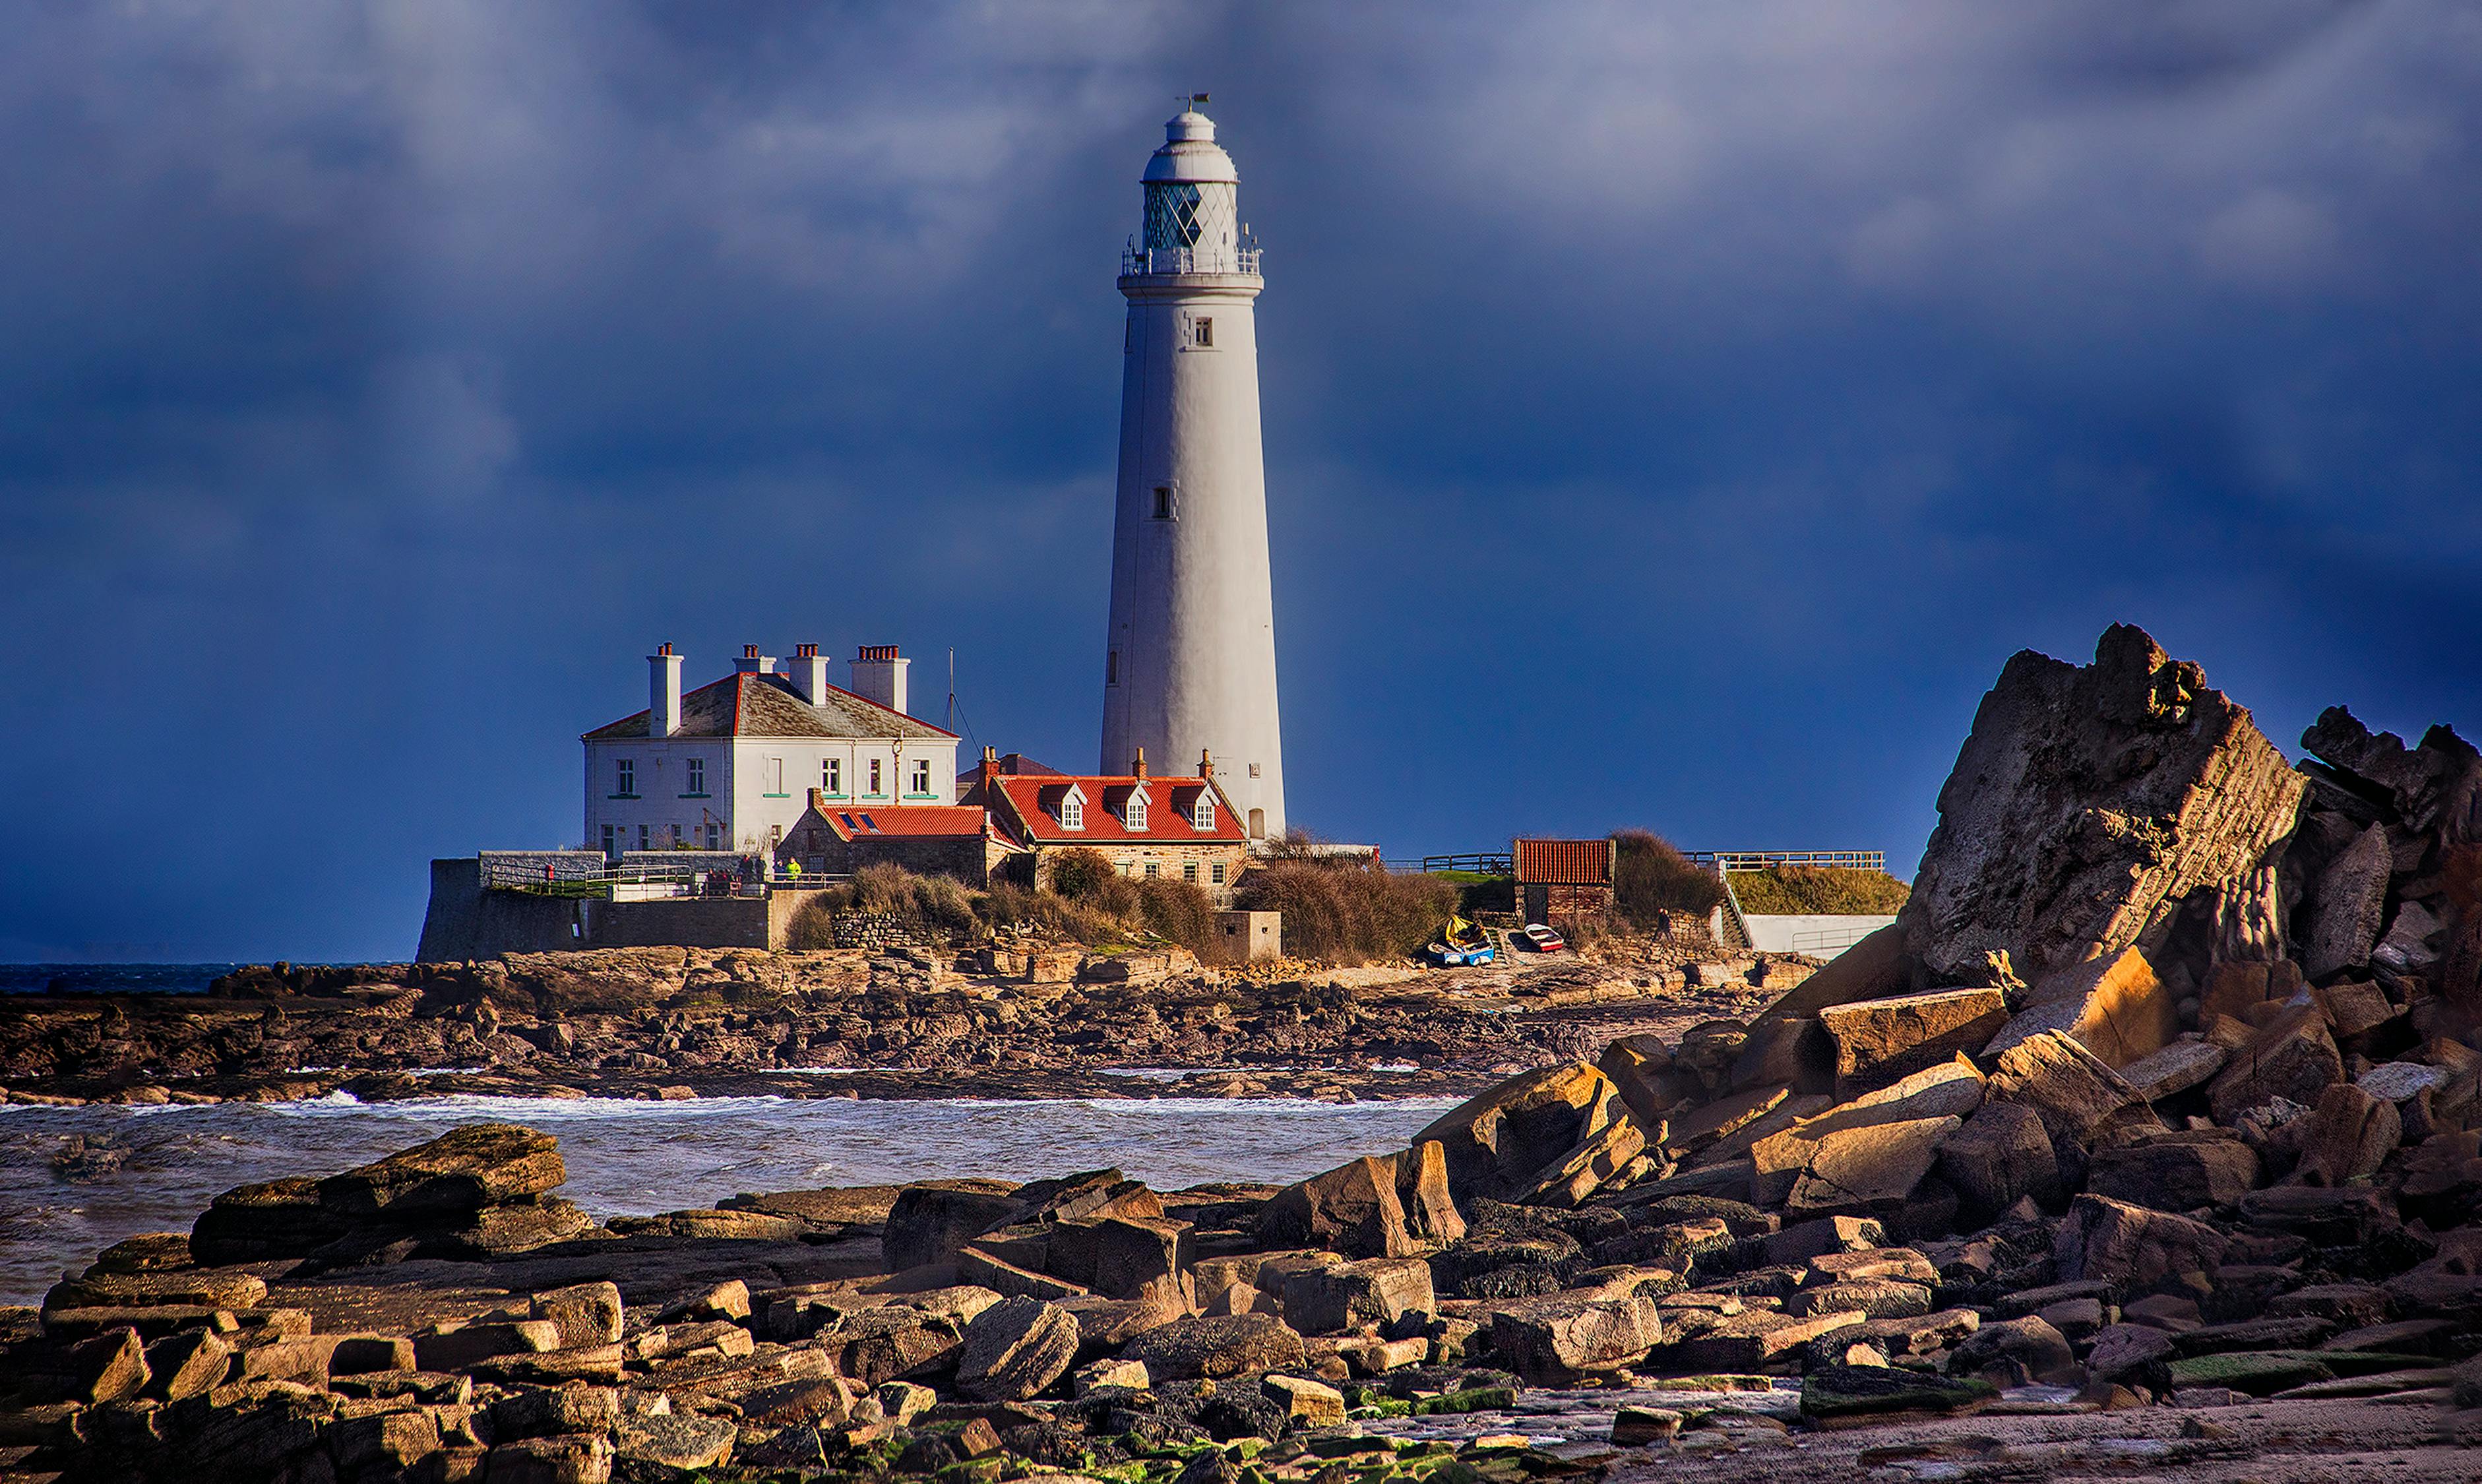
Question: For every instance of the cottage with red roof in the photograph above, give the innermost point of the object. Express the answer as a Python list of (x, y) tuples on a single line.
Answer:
[(731, 765), (838, 839), (1177, 827)]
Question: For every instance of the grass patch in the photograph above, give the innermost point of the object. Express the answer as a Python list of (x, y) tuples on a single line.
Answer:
[(1805, 890)]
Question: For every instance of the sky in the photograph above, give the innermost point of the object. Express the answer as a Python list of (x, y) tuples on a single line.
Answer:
[(1675, 415)]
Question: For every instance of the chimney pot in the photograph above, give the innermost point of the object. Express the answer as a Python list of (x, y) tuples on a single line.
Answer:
[(879, 675), (811, 674), (1139, 765), (1205, 763)]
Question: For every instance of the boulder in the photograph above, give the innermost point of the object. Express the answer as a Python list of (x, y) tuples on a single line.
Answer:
[(463, 1170), (1124, 1257), (588, 1313), (2294, 1057), (2086, 804), (1305, 1404), (2350, 899), (2353, 1007), (1778, 1160), (457, 1344), (1015, 1349), (2128, 1354), (2175, 1172), (2000, 1156), (2012, 1352), (2114, 1007), (1878, 1040), (2346, 1136), (1377, 1290), (1556, 1339), (106, 1367), (2176, 1069), (1352, 1208), (675, 1441), (2102, 1237), (1869, 1169), (2081, 1100), (1213, 1349), (1497, 1144), (1422, 1194), (185, 1364), (1582, 1171), (932, 1222), (2432, 786), (1640, 1066)]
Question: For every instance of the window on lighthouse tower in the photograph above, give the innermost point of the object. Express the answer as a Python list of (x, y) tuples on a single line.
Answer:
[(1203, 334), (1163, 502)]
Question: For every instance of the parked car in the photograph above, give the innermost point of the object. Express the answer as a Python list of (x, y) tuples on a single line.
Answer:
[(1542, 939)]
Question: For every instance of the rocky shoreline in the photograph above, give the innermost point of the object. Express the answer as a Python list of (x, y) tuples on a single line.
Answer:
[(2148, 1140), (911, 1023)]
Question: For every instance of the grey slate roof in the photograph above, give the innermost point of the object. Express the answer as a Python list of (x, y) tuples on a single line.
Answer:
[(756, 706)]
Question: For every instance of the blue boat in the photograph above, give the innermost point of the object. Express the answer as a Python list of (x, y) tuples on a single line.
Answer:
[(1463, 943)]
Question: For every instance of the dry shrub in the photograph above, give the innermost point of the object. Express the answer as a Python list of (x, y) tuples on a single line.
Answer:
[(1650, 877), (1177, 910), (1350, 911), (939, 907), (1087, 877), (1806, 889), (1008, 905)]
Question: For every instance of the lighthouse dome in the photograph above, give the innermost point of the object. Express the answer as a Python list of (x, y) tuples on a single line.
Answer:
[(1190, 154)]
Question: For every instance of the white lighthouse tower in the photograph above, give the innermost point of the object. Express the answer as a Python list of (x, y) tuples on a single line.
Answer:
[(1190, 669)]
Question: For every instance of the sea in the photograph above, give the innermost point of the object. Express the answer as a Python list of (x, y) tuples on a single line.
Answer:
[(109, 978), (74, 1181)]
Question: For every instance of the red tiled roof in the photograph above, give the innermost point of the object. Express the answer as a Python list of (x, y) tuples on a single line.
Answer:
[(1033, 805), (1563, 862), (913, 820)]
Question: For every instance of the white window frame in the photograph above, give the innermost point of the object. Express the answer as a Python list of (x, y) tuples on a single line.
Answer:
[(1072, 810), (1203, 818), (697, 775), (625, 777), (1133, 813), (921, 774), (875, 790), (832, 777)]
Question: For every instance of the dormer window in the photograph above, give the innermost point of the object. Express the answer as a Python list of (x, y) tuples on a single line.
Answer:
[(1073, 810), (1203, 815), (1134, 813)]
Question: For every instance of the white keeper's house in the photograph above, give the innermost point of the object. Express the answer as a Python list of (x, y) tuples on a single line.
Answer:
[(731, 765)]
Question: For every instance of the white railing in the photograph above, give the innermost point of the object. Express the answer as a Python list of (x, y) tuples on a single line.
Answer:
[(1136, 262)]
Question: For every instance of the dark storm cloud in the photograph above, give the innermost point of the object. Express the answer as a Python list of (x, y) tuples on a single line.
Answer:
[(1733, 387)]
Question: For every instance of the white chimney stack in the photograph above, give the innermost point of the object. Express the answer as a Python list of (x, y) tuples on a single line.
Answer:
[(752, 662), (809, 670), (663, 693), (879, 674)]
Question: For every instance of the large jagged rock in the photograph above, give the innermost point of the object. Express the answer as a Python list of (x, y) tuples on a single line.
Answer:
[(1352, 1208), (2122, 1243), (1499, 1143), (2351, 899), (2087, 803), (2114, 1007), (1878, 1040), (1016, 1348), (465, 1170), (2434, 786)]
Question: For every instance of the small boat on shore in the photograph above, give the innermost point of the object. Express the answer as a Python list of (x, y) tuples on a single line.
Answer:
[(1463, 943)]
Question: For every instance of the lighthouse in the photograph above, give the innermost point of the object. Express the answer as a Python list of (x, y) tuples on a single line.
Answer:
[(1189, 668)]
